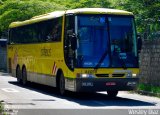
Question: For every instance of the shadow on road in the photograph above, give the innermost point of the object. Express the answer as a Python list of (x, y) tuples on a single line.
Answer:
[(86, 99)]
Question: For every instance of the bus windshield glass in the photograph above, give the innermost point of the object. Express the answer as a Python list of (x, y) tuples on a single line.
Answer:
[(106, 41), (123, 42)]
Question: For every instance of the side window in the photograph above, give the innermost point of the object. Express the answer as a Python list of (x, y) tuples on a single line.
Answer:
[(25, 34), (29, 34), (46, 31), (11, 35), (68, 52), (52, 30), (69, 27), (15, 35)]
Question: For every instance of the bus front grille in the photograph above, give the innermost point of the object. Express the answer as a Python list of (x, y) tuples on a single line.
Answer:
[(102, 75), (118, 75), (110, 75)]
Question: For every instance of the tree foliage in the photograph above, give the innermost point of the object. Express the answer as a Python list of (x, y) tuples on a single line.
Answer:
[(147, 12), (87, 3), (18, 10)]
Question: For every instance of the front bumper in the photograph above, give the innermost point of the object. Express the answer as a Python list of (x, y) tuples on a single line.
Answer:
[(105, 84)]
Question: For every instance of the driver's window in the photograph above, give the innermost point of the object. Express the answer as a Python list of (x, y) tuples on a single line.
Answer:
[(69, 29)]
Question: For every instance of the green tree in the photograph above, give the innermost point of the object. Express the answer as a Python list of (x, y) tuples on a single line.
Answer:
[(147, 13), (18, 10), (87, 3)]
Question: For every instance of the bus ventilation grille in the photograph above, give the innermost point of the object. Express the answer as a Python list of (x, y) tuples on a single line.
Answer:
[(118, 75), (102, 75)]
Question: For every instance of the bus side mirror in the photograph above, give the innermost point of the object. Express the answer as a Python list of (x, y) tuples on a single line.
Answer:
[(73, 42)]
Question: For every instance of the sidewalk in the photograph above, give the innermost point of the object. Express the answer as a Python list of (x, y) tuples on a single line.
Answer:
[(4, 73)]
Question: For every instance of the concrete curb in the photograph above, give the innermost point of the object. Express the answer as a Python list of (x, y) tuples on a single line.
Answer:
[(148, 93)]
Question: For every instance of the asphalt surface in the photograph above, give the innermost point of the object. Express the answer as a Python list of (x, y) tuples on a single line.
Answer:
[(40, 99)]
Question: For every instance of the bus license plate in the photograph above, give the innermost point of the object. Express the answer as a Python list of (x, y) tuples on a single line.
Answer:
[(110, 83)]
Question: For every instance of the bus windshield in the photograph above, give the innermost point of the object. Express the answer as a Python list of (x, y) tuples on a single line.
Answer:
[(123, 42), (106, 41)]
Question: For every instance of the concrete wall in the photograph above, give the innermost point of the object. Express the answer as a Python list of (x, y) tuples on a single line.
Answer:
[(150, 62)]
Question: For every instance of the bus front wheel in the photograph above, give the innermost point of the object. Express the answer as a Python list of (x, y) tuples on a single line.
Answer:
[(62, 84), (112, 93), (24, 76)]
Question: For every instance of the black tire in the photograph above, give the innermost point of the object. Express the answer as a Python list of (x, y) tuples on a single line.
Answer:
[(112, 93), (24, 76), (18, 75), (61, 83)]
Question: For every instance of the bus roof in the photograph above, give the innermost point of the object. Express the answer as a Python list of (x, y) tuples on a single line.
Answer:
[(99, 11), (56, 14), (36, 19)]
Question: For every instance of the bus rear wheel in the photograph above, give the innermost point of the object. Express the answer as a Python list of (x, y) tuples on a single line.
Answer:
[(62, 84), (112, 93), (24, 76), (18, 75)]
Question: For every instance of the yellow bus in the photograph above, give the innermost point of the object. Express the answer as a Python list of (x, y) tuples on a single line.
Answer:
[(79, 50)]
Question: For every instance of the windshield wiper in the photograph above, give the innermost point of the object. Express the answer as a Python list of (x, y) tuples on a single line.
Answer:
[(101, 59)]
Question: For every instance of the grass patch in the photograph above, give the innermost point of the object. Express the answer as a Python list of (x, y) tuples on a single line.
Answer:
[(149, 88), (1, 108), (2, 112)]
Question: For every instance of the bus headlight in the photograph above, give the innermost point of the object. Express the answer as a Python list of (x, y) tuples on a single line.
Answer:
[(134, 75), (85, 76)]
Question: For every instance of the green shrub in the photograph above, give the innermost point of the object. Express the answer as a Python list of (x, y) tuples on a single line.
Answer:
[(150, 88)]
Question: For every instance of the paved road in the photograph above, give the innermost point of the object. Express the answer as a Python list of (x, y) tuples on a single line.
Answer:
[(38, 97)]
